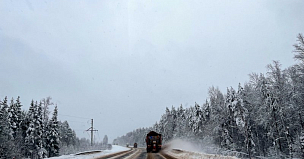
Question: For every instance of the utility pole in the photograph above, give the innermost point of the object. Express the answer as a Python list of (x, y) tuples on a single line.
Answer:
[(92, 130)]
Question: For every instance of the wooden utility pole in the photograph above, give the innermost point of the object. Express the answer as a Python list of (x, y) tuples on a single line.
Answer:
[(92, 130)]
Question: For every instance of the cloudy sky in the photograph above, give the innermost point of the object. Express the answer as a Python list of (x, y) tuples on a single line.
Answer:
[(123, 62)]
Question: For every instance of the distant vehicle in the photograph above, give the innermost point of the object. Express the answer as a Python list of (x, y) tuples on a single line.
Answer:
[(135, 145), (153, 141)]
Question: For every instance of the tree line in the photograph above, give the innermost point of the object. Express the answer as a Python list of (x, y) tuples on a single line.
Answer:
[(262, 118), (34, 134)]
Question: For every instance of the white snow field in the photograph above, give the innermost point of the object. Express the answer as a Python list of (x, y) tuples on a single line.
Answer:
[(115, 148), (183, 149), (183, 154)]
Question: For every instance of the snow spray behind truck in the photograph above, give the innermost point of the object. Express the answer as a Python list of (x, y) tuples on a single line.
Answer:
[(153, 141)]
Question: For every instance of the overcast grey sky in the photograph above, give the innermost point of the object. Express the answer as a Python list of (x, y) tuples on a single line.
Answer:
[(123, 62)]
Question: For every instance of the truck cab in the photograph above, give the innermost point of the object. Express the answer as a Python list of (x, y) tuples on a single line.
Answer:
[(153, 141)]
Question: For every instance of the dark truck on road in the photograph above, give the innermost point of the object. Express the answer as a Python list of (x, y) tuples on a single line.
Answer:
[(153, 141)]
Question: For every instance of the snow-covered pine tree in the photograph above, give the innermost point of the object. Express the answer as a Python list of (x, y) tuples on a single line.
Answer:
[(277, 103), (12, 116), (206, 112), (258, 92), (53, 135), (299, 48), (5, 131), (46, 102), (161, 125), (180, 122), (296, 120), (217, 113), (168, 125), (240, 110), (249, 143), (30, 133), (155, 127), (33, 138), (217, 105), (191, 122), (297, 77), (229, 126), (174, 117), (197, 119), (15, 118), (206, 125), (245, 141), (226, 138), (23, 128), (39, 129), (105, 141), (15, 115), (67, 136)]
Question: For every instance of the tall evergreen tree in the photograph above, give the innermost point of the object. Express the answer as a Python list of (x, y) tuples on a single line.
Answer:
[(168, 125), (105, 140), (299, 48), (33, 138), (12, 116), (39, 129), (297, 77), (53, 135), (277, 103), (6, 134), (30, 132), (15, 116), (46, 102), (197, 119), (180, 122), (67, 136), (206, 112)]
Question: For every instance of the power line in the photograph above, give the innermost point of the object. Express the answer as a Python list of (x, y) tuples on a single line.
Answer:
[(74, 116), (77, 122)]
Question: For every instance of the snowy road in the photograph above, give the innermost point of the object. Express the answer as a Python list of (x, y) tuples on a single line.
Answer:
[(138, 153), (119, 152)]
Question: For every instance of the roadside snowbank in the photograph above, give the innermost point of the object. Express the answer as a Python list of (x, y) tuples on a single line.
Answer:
[(183, 154), (115, 148), (183, 149)]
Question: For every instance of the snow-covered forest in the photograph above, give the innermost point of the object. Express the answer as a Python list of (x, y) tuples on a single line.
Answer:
[(34, 133), (263, 117)]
